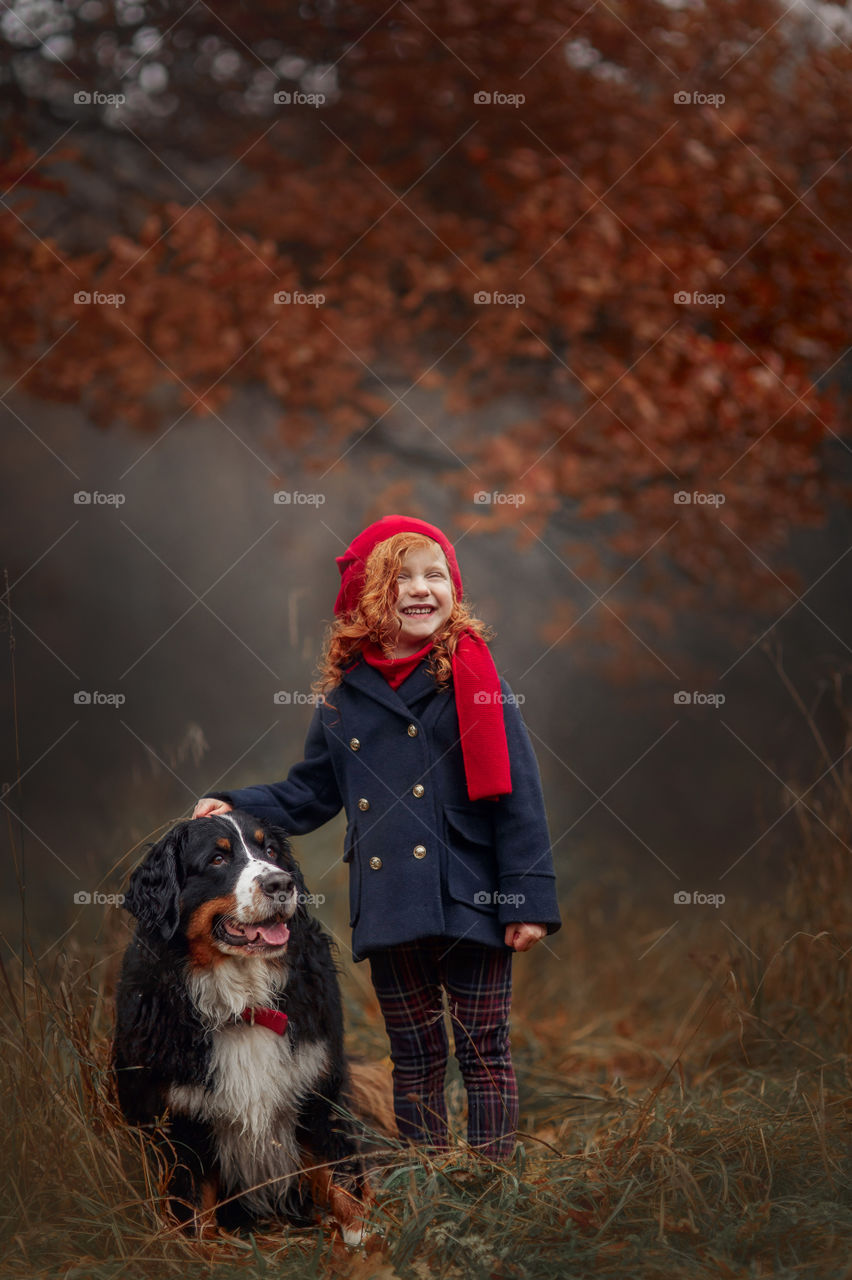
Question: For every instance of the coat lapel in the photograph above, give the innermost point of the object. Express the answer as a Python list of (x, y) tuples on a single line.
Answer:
[(373, 683)]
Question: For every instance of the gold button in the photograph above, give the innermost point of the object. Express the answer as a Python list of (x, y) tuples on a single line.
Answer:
[(420, 851), (376, 864), (412, 731), (418, 790), (354, 744), (363, 804)]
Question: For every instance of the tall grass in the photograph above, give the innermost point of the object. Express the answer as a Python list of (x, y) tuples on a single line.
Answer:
[(694, 1124), (685, 1100)]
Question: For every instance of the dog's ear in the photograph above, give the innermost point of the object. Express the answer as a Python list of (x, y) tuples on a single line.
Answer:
[(153, 893)]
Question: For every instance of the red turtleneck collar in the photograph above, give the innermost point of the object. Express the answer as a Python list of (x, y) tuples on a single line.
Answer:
[(394, 670)]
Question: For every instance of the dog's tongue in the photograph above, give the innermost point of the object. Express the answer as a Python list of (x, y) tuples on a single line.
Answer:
[(275, 934)]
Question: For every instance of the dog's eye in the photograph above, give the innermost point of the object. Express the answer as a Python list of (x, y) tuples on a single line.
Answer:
[(271, 853), (217, 860)]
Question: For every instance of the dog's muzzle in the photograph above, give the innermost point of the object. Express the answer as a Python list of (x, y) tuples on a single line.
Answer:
[(262, 926)]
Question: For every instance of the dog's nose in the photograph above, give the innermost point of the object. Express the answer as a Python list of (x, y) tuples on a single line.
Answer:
[(277, 885)]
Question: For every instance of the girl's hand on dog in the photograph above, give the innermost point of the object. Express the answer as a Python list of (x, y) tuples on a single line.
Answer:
[(520, 937), (208, 807)]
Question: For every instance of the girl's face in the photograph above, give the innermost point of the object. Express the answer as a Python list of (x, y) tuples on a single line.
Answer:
[(425, 598)]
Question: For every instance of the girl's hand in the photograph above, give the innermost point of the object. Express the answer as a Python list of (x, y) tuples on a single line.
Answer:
[(520, 937), (208, 807)]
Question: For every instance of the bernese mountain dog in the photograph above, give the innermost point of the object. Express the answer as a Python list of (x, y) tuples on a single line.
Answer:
[(229, 1032)]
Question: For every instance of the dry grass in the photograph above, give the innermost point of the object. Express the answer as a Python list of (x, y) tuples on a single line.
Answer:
[(684, 1095), (692, 1123)]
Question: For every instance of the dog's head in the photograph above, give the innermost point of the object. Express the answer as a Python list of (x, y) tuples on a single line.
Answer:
[(227, 884)]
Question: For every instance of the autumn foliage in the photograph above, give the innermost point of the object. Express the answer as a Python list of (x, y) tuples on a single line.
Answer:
[(600, 198)]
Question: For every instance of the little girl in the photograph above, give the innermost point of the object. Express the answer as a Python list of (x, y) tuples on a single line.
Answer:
[(450, 868)]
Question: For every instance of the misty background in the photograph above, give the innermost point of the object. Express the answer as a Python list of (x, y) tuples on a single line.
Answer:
[(105, 598), (194, 597)]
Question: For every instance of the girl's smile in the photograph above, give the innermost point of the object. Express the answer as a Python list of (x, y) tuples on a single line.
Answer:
[(424, 599)]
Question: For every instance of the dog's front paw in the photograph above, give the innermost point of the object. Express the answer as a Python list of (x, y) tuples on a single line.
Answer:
[(354, 1235), (348, 1212)]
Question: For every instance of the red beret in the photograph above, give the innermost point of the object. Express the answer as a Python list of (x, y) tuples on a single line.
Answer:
[(353, 561)]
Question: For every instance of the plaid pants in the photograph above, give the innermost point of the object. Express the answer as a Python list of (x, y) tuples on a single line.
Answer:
[(478, 980)]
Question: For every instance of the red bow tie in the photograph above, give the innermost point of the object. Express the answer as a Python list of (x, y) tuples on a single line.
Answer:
[(274, 1019)]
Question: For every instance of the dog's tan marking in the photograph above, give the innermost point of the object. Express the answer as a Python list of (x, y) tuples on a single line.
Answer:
[(202, 950), (205, 1215), (346, 1209), (223, 843), (260, 836)]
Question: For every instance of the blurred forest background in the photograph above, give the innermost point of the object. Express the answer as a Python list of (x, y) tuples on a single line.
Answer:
[(571, 281), (669, 194)]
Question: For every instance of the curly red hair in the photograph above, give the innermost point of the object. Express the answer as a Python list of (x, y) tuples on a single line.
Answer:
[(374, 617)]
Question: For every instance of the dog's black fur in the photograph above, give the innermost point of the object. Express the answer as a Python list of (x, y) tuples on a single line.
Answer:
[(186, 1063)]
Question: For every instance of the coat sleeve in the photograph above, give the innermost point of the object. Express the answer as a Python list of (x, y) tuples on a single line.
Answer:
[(521, 837), (308, 796)]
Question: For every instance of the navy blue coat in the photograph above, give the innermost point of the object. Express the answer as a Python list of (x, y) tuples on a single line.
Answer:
[(423, 858)]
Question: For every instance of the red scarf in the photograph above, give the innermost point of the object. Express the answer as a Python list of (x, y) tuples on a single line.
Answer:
[(479, 700)]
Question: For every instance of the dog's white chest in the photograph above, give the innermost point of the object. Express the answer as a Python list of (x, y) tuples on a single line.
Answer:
[(256, 1081), (259, 1079), (255, 1086)]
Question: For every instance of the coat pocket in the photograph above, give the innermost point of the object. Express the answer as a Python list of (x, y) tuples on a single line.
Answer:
[(350, 855), (471, 862)]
